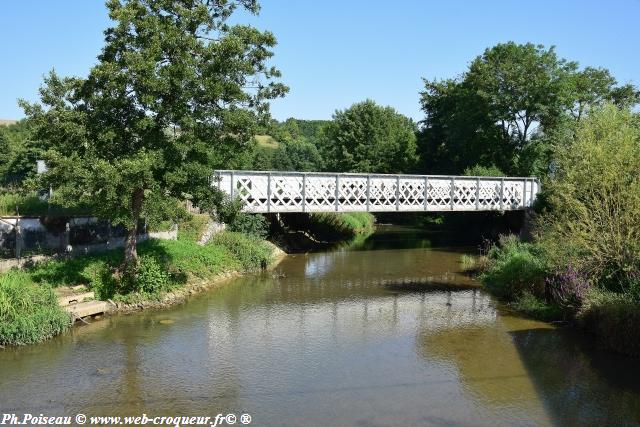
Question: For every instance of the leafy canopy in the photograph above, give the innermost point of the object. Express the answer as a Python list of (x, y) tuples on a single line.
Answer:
[(176, 92), (369, 138), (508, 107)]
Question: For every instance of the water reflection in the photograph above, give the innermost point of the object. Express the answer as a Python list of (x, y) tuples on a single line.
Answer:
[(389, 336)]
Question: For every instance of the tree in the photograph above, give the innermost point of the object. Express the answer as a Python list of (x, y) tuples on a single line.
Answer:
[(369, 138), (17, 156), (176, 92), (593, 201), (506, 108)]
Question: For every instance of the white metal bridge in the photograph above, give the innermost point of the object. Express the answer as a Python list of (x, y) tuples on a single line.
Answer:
[(270, 191)]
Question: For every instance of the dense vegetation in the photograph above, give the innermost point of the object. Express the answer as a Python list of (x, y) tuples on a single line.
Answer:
[(144, 129), (584, 263), (29, 312)]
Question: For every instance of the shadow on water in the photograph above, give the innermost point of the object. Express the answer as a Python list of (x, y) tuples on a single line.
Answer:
[(579, 384), (553, 375)]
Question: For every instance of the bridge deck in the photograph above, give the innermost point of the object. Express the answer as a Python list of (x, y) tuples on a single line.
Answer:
[(264, 192)]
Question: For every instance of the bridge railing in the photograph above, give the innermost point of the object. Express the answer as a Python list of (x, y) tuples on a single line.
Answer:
[(272, 191)]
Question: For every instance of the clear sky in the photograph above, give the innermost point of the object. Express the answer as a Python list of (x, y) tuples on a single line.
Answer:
[(333, 53)]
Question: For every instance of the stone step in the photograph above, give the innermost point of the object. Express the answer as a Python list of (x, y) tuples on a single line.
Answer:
[(75, 298), (89, 308)]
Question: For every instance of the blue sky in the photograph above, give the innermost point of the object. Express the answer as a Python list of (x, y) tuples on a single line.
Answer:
[(334, 53)]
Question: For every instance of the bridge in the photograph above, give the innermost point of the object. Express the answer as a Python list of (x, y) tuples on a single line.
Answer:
[(272, 191)]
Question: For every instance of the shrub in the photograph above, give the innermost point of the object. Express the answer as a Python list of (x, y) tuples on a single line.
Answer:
[(515, 267), (251, 252), (252, 224), (192, 229), (594, 199), (533, 306), (29, 312), (567, 288), (479, 170), (151, 276)]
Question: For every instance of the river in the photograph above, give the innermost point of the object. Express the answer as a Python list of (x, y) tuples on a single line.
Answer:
[(386, 332)]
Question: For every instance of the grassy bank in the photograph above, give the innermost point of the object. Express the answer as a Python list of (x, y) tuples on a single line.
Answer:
[(521, 275), (28, 308), (29, 312), (341, 225)]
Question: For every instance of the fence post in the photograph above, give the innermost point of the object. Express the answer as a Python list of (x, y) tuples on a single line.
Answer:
[(18, 248), (452, 191), (477, 193), (501, 194), (67, 237)]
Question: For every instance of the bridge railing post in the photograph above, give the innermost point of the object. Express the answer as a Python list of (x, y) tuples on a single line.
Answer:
[(337, 192), (501, 194), (398, 193), (269, 192), (477, 193), (368, 192), (452, 191), (304, 192), (426, 193)]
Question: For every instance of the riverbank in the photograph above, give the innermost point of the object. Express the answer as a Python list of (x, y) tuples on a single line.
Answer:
[(519, 274), (169, 272)]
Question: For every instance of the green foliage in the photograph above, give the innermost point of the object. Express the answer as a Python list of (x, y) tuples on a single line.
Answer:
[(145, 128), (341, 225), (537, 308), (515, 268), (29, 313), (192, 229), (29, 204), (251, 252), (509, 109), (149, 277), (250, 224), (229, 211), (162, 265), (369, 138), (479, 170), (18, 155), (594, 201)]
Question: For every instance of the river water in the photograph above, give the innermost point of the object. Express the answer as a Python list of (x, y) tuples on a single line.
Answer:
[(387, 332)]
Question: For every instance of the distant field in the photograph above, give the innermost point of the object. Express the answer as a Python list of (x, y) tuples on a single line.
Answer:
[(7, 122), (266, 141)]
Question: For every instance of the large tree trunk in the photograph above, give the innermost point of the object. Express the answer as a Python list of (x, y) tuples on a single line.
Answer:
[(130, 252)]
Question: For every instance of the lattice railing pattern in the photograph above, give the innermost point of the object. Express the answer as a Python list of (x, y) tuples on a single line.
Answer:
[(342, 192)]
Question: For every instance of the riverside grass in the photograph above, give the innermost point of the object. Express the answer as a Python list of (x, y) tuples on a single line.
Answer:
[(343, 224), (29, 312)]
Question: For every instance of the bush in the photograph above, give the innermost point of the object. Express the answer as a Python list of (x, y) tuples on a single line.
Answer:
[(514, 268), (29, 312), (479, 170), (341, 225), (252, 224), (568, 288), (251, 252), (192, 229), (533, 306), (594, 200)]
